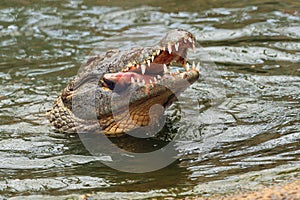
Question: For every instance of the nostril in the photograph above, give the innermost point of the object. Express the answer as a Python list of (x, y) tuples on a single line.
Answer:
[(116, 85), (110, 84)]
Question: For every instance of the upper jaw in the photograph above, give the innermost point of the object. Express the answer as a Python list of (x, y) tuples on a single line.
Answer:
[(167, 52)]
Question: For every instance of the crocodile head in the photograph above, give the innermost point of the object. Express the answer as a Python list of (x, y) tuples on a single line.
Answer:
[(114, 93)]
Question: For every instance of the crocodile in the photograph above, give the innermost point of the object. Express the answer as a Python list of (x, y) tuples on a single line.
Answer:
[(114, 93)]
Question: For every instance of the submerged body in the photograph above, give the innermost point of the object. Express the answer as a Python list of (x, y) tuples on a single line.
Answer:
[(115, 93)]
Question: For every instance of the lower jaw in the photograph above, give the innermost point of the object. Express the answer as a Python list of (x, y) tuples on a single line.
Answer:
[(139, 115)]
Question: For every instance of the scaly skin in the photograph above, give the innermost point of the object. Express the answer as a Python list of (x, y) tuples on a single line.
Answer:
[(95, 100)]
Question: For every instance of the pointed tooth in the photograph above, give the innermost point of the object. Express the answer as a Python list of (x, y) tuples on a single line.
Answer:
[(190, 40), (193, 66), (194, 48), (138, 80), (176, 46), (132, 80), (150, 81), (163, 48), (187, 67), (143, 81), (148, 62), (152, 58), (126, 69), (143, 69), (178, 71), (170, 48), (166, 69), (198, 66), (157, 52), (137, 66), (184, 40), (155, 79), (158, 76)]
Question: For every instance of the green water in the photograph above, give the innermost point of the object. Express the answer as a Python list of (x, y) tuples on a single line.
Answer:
[(242, 118)]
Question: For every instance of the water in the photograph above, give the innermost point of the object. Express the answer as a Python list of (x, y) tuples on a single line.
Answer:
[(240, 121)]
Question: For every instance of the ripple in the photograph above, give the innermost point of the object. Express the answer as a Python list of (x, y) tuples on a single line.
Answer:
[(248, 55), (17, 162), (53, 183), (238, 125)]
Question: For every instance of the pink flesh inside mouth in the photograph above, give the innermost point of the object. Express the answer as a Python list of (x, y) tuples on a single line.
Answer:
[(151, 75), (150, 71), (123, 79)]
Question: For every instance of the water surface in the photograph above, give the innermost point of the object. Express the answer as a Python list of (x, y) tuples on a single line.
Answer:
[(240, 122)]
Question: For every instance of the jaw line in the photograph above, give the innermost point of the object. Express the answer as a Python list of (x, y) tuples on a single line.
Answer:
[(152, 69)]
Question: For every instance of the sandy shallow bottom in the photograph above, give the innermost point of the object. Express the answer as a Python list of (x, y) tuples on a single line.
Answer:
[(289, 190)]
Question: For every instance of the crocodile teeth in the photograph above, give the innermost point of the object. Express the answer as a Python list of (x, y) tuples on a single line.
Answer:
[(143, 82), (125, 70), (143, 69), (148, 62), (158, 77), (132, 80), (187, 67), (166, 69), (193, 66), (184, 40), (155, 79), (163, 48), (194, 48), (170, 48), (129, 64), (150, 81), (190, 39), (137, 66), (138, 80), (198, 66), (152, 58), (176, 46), (177, 70), (157, 52)]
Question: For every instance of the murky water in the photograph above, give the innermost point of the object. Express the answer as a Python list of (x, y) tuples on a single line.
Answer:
[(240, 121)]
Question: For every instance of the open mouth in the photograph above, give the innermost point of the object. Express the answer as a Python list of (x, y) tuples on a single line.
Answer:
[(164, 62)]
